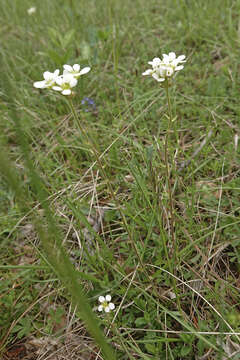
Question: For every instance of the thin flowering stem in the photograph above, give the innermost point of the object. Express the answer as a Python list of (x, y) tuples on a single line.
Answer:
[(166, 159), (173, 251), (76, 118)]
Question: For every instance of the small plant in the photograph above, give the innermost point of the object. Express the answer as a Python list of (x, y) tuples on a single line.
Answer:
[(163, 71)]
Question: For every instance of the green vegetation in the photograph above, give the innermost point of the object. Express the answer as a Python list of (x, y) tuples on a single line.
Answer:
[(86, 214)]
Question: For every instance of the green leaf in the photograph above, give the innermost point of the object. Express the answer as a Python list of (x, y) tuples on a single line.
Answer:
[(185, 350), (140, 321), (151, 348), (54, 36), (67, 39)]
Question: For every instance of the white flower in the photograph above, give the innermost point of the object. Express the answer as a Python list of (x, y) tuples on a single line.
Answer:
[(49, 80), (173, 61), (31, 10), (106, 305), (65, 83), (156, 62), (75, 70), (165, 68)]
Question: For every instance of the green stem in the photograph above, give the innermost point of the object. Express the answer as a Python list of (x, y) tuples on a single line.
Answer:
[(75, 116), (170, 119), (173, 252)]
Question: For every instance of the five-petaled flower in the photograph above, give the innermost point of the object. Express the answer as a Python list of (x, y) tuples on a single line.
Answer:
[(49, 80), (165, 68), (106, 305), (75, 70), (65, 83)]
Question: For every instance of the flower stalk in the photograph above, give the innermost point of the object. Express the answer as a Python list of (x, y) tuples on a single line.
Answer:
[(168, 172), (163, 71)]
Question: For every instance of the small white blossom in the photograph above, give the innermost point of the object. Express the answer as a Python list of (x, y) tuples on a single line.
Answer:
[(165, 68), (65, 83), (49, 80), (106, 305), (173, 61), (75, 70), (31, 10), (156, 62)]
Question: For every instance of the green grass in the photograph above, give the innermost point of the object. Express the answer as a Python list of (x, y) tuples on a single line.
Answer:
[(52, 182)]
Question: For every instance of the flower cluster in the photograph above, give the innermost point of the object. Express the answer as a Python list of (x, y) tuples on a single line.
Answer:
[(63, 83), (165, 68), (106, 305)]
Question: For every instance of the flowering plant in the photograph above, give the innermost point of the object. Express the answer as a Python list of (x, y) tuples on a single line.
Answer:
[(162, 71), (165, 68)]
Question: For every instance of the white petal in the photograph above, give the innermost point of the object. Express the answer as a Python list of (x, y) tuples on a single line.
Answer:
[(59, 80), (156, 77), (166, 59), (101, 299), (174, 62), (180, 67), (65, 72), (85, 70), (181, 58), (100, 308), (67, 92), (47, 75), (111, 306), (56, 73), (40, 84), (31, 10), (67, 78), (107, 309), (73, 82), (67, 68), (76, 67), (147, 72), (108, 298), (57, 88), (155, 62), (172, 56)]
